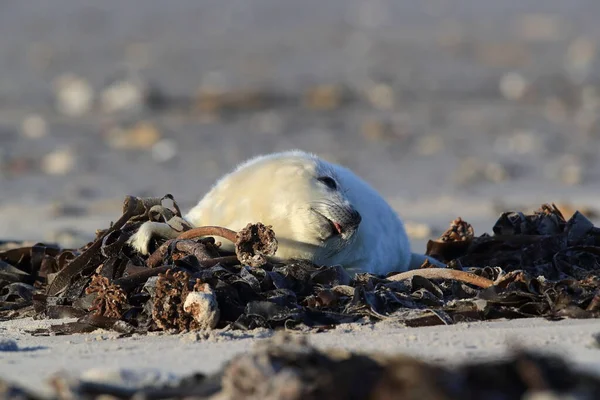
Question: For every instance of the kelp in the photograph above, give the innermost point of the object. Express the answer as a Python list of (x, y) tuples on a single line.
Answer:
[(537, 265)]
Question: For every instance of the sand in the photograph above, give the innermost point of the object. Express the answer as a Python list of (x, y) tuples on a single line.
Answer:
[(451, 144), (39, 357)]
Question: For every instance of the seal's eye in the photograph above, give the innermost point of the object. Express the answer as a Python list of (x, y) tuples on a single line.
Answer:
[(328, 181)]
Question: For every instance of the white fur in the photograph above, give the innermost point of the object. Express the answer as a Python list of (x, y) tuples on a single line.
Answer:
[(278, 189)]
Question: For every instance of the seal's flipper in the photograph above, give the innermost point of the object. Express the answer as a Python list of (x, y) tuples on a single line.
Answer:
[(416, 260), (141, 239)]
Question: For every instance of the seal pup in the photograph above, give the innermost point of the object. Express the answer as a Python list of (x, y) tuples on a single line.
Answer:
[(319, 211)]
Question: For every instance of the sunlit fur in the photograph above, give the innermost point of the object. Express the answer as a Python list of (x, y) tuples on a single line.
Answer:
[(282, 190)]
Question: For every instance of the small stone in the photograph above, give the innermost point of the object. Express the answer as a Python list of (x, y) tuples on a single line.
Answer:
[(74, 95), (467, 171), (586, 120), (381, 96), (122, 95), (8, 345), (58, 162), (580, 58), (430, 144), (374, 129), (539, 27), (519, 142), (143, 135), (323, 97), (269, 122), (416, 230), (164, 150), (590, 98), (572, 174), (555, 110), (203, 307), (503, 54), (34, 127), (513, 86), (569, 170), (495, 172)]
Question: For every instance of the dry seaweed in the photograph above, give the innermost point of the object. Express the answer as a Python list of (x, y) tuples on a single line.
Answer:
[(537, 265), (109, 298)]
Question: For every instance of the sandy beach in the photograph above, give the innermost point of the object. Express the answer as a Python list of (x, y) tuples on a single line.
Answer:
[(183, 354), (465, 109)]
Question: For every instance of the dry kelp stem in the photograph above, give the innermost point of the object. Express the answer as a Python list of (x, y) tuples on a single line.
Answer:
[(128, 283), (131, 208), (209, 231), (157, 257), (444, 273), (226, 260)]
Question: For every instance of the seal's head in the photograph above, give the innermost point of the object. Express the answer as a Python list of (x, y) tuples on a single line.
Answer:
[(319, 211), (302, 197)]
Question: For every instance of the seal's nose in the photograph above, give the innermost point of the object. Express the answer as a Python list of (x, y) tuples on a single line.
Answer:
[(356, 218), (350, 223), (353, 219)]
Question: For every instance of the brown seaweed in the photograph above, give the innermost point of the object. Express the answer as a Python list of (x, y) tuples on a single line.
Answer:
[(537, 265)]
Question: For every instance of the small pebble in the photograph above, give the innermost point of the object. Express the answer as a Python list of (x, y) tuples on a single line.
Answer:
[(122, 96), (74, 95), (143, 135), (381, 96), (323, 97), (374, 129), (503, 54), (580, 58), (572, 174), (587, 120), (34, 127), (539, 27), (58, 162), (555, 110), (495, 172), (416, 230), (8, 345), (430, 144), (590, 98), (568, 169), (269, 122), (513, 86), (519, 142), (164, 150)]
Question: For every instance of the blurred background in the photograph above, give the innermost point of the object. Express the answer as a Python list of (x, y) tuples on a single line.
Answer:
[(448, 108)]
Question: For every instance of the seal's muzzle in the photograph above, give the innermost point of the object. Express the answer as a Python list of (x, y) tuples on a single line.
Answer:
[(342, 220)]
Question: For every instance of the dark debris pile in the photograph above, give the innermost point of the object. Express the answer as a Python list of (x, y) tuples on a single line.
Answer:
[(287, 367), (532, 265)]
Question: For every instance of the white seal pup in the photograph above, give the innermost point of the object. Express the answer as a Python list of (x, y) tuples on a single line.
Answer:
[(319, 211)]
